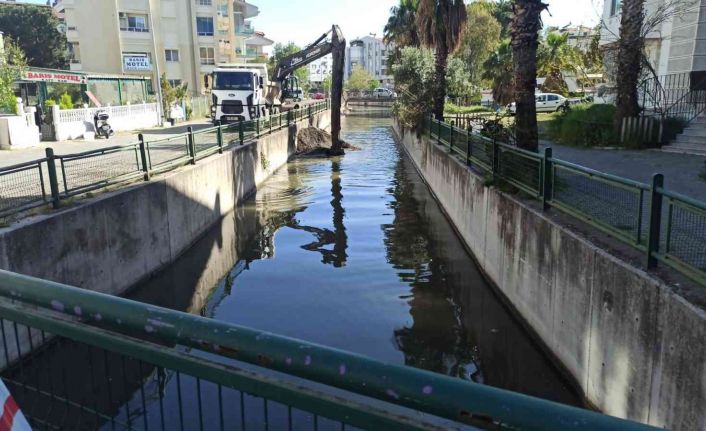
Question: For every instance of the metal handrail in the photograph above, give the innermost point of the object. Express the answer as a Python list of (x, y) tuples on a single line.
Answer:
[(424, 391)]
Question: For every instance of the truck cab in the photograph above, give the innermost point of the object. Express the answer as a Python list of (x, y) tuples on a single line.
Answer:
[(238, 92)]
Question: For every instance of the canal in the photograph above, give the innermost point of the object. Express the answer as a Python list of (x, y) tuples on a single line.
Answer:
[(352, 253)]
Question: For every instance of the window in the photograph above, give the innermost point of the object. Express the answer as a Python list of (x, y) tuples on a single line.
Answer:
[(541, 98), (171, 54), (74, 52), (233, 81), (133, 22), (207, 55), (174, 83), (615, 6), (552, 98), (204, 2), (204, 26)]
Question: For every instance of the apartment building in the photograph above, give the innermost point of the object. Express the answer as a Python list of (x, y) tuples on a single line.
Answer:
[(676, 45), (371, 54), (579, 36), (185, 38), (320, 69)]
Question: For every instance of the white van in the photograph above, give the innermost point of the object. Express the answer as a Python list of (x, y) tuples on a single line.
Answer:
[(546, 102)]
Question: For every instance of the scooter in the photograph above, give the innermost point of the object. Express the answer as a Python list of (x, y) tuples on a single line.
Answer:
[(100, 121)]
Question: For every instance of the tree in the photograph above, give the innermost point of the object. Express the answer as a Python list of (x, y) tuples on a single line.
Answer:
[(414, 78), (34, 29), (401, 29), (12, 64), (502, 11), (499, 71), (441, 24), (360, 80), (328, 80), (458, 79), (481, 35), (555, 57), (526, 25), (630, 48)]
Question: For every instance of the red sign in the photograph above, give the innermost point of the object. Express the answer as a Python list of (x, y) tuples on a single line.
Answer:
[(62, 77)]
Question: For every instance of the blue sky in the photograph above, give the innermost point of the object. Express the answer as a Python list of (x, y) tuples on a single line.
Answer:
[(302, 21)]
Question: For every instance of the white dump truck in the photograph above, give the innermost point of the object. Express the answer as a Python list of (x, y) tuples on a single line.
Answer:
[(238, 92)]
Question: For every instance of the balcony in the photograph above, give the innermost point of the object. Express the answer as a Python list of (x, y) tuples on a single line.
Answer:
[(245, 30)]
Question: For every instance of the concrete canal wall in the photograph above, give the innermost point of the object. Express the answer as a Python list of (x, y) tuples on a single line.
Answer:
[(634, 347), (113, 241)]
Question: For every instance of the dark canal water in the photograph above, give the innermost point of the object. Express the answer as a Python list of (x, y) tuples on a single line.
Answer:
[(351, 253)]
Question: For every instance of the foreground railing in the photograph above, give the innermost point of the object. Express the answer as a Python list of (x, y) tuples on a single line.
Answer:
[(84, 360), (58, 177), (667, 227)]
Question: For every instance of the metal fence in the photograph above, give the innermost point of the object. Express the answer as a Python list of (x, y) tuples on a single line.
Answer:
[(667, 227), (57, 177), (81, 360)]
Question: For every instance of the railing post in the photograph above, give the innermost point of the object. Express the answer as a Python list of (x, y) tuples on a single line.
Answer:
[(241, 131), (257, 127), (438, 131), (192, 147), (53, 180), (452, 132), (547, 178), (143, 157), (654, 232), (496, 158), (219, 136), (469, 148)]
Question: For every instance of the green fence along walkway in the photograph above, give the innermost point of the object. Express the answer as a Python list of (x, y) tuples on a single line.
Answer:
[(57, 177), (667, 227), (83, 360)]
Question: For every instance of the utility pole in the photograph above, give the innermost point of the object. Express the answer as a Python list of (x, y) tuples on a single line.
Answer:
[(160, 98)]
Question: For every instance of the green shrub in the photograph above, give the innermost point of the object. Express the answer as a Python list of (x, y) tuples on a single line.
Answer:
[(66, 102), (585, 126), (49, 103), (451, 108)]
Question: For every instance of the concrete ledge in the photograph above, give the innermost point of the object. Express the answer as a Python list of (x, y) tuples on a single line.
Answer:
[(634, 347)]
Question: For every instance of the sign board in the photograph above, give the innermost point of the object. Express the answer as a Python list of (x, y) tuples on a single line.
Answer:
[(49, 76), (136, 63)]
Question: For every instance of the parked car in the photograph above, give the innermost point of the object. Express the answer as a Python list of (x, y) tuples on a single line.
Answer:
[(383, 93), (318, 96), (546, 102)]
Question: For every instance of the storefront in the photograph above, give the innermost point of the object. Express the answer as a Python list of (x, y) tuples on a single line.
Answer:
[(47, 86)]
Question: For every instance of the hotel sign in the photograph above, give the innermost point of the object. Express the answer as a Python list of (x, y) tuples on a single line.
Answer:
[(136, 63), (48, 76)]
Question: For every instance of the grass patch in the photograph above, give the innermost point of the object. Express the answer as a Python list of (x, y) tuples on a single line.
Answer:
[(450, 108), (584, 126)]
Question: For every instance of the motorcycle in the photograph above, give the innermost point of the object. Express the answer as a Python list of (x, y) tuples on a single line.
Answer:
[(100, 121)]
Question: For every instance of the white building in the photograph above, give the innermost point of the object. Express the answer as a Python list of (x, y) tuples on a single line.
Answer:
[(185, 38), (320, 69), (677, 45), (370, 53)]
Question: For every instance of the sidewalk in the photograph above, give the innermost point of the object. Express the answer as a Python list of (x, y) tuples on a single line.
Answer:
[(14, 157), (681, 171)]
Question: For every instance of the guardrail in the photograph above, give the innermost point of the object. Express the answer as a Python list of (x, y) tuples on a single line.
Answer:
[(667, 227), (52, 179), (108, 360)]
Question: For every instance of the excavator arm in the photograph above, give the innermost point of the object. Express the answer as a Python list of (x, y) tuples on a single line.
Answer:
[(324, 45)]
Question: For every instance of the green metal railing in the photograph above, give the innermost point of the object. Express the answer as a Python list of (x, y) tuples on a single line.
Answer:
[(77, 359), (667, 227), (58, 177)]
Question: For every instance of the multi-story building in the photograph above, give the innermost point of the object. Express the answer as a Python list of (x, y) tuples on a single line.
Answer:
[(371, 54), (579, 36), (320, 69), (185, 38), (675, 45)]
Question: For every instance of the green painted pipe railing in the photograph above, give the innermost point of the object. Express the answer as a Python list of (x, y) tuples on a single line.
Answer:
[(423, 391), (667, 227)]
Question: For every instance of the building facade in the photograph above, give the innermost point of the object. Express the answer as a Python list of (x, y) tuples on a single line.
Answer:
[(320, 69), (371, 54), (675, 45), (185, 38)]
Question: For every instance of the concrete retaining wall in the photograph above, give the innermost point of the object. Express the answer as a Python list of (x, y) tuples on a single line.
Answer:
[(113, 241), (634, 347)]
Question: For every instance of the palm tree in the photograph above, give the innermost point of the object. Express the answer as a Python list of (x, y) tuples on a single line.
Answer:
[(499, 70), (401, 29), (555, 56), (526, 25), (630, 47), (441, 24)]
